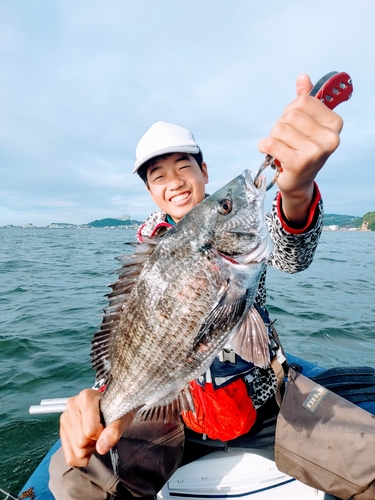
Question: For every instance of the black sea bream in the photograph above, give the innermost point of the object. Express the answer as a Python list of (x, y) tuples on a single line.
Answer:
[(178, 301)]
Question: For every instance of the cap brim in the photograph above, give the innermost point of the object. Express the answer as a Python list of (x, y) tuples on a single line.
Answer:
[(193, 150)]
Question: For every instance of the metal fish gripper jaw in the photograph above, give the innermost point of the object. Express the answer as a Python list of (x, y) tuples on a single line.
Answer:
[(332, 89)]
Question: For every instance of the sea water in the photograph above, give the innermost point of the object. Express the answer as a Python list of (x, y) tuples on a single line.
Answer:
[(52, 286)]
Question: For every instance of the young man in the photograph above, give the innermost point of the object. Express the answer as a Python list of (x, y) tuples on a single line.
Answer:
[(170, 162)]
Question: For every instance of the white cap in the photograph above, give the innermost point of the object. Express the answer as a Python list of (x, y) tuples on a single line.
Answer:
[(162, 138)]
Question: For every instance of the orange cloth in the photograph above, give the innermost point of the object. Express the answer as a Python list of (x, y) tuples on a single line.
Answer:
[(224, 413)]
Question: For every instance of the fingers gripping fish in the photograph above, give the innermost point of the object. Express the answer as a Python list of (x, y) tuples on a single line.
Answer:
[(178, 301)]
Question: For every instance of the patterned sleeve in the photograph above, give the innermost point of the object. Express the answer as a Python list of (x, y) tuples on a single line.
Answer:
[(294, 249)]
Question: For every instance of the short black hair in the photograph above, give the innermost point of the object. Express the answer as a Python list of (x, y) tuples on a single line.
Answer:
[(142, 171)]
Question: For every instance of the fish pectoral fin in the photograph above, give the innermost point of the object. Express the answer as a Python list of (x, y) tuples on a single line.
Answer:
[(169, 412), (251, 340), (222, 317)]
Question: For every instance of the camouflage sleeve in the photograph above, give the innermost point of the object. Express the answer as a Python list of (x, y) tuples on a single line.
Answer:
[(294, 249), (152, 224)]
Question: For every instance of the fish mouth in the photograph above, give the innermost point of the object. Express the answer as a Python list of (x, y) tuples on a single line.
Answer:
[(258, 255), (229, 258), (249, 182)]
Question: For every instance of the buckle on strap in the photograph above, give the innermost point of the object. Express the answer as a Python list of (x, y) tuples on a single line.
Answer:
[(227, 355)]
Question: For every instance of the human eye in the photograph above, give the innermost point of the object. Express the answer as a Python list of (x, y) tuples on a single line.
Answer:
[(157, 178), (156, 175)]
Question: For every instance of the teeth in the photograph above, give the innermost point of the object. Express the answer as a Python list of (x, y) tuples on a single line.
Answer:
[(179, 197)]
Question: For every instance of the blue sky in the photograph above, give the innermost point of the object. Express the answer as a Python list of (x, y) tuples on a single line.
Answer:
[(80, 82)]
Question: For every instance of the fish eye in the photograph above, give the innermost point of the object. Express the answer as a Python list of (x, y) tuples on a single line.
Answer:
[(225, 206)]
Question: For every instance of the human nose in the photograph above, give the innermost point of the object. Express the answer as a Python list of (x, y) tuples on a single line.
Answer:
[(176, 183)]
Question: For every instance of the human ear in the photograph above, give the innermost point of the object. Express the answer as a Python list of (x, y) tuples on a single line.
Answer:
[(205, 172)]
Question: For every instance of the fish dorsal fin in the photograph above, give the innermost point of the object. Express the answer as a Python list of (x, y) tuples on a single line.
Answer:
[(169, 412), (132, 265), (251, 340)]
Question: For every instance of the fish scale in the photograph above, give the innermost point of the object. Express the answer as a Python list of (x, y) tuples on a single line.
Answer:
[(178, 301), (171, 329)]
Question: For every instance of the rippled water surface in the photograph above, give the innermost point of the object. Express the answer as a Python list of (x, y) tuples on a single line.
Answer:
[(51, 294)]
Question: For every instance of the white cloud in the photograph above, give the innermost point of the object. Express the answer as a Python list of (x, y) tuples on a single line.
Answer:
[(81, 82)]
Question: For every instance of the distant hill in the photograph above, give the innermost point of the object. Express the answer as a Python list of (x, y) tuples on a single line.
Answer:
[(343, 221), (369, 221), (113, 223)]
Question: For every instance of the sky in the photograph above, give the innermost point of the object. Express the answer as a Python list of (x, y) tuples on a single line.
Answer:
[(81, 82)]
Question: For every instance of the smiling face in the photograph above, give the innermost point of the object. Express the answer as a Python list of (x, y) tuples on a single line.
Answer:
[(176, 184)]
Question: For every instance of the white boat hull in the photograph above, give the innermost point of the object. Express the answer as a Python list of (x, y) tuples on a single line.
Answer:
[(235, 474)]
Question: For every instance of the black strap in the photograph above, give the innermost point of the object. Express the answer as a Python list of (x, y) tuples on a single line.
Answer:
[(355, 383)]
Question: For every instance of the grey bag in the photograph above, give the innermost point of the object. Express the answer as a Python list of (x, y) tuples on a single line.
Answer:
[(325, 441)]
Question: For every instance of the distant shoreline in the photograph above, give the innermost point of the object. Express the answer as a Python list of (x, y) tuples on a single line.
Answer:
[(332, 222), (71, 227), (326, 229)]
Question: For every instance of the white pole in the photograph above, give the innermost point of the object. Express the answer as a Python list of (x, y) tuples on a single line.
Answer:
[(57, 405)]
